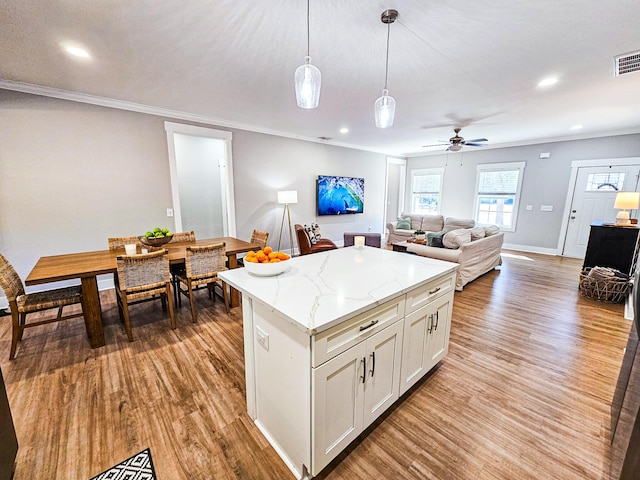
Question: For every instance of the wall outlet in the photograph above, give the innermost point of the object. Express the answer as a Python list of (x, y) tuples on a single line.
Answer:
[(529, 207), (169, 212), (262, 337)]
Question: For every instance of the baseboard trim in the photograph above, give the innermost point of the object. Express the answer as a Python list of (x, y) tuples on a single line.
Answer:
[(530, 249)]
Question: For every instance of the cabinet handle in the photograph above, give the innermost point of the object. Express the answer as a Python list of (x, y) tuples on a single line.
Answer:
[(437, 319), (430, 323), (365, 327), (435, 290), (373, 363), (364, 368)]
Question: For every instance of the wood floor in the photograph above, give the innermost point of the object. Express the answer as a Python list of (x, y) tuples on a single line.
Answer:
[(524, 392)]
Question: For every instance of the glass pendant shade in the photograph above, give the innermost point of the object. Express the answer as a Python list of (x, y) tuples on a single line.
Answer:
[(307, 80), (385, 110)]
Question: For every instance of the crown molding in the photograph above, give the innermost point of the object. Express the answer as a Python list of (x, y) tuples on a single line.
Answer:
[(166, 113)]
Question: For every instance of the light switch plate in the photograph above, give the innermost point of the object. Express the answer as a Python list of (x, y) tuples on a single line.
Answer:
[(169, 212), (546, 208)]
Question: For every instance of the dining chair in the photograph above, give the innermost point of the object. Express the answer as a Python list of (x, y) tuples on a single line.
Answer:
[(258, 237), (202, 265), (22, 304), (183, 237), (142, 278), (118, 243)]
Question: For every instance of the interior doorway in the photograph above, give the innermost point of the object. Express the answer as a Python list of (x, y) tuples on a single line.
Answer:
[(395, 188), (592, 196), (201, 180)]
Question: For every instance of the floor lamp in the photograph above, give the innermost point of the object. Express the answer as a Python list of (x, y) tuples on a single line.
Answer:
[(286, 198)]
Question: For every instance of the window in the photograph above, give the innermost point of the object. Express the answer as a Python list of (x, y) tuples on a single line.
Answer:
[(426, 190), (498, 193), (605, 181)]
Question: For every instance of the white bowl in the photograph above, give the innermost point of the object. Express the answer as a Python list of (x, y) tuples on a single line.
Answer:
[(267, 269)]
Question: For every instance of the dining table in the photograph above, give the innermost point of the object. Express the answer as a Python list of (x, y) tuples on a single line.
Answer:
[(86, 266)]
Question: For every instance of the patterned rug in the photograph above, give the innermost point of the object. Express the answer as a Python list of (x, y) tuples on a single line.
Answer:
[(138, 467)]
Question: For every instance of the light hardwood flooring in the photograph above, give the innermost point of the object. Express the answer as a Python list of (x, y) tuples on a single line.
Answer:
[(524, 392)]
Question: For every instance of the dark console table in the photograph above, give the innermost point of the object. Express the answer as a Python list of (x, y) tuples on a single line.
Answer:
[(611, 246), (8, 440)]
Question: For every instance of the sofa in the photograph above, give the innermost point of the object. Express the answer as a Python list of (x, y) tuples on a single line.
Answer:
[(475, 248)]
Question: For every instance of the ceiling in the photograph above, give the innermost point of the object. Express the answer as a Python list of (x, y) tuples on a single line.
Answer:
[(451, 63)]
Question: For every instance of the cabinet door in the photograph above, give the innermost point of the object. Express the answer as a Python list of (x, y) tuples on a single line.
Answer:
[(381, 387), (338, 402), (438, 336), (414, 349)]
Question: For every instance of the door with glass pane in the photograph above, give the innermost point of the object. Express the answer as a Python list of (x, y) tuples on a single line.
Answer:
[(593, 199)]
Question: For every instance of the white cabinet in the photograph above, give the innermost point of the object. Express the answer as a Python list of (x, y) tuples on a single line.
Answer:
[(426, 339), (351, 390)]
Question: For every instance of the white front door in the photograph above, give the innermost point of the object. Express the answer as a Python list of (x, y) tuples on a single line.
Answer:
[(593, 198)]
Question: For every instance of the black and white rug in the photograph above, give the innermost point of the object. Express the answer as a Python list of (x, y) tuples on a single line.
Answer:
[(138, 467)]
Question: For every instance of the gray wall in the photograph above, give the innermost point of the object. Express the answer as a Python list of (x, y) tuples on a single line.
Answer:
[(545, 182), (73, 174)]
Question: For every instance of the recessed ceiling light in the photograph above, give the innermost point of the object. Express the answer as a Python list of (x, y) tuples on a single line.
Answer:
[(344, 130), (548, 81), (74, 49), (576, 127)]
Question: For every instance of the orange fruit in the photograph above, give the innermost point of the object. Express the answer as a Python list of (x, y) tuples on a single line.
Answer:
[(268, 250), (271, 255), (261, 256), (251, 253), (252, 259), (274, 260)]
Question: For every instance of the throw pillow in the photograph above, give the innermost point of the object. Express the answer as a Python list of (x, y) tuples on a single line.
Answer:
[(316, 231), (491, 230), (309, 231), (403, 224), (477, 233), (456, 238), (434, 239), (451, 223)]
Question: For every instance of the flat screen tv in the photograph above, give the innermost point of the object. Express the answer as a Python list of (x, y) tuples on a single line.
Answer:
[(340, 195)]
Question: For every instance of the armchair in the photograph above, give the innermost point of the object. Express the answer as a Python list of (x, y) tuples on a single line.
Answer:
[(305, 246)]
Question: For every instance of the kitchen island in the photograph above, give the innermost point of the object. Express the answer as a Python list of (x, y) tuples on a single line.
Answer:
[(335, 340)]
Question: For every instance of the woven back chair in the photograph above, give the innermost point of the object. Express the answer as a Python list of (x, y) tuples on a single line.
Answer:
[(22, 303), (142, 278), (183, 237), (258, 237), (202, 265), (118, 243)]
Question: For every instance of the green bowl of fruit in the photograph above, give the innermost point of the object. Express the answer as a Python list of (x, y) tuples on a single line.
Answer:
[(156, 237)]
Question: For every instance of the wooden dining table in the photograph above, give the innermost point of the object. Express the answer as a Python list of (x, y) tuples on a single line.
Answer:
[(88, 265)]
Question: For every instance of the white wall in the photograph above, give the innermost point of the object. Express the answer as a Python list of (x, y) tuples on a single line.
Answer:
[(545, 182), (73, 174)]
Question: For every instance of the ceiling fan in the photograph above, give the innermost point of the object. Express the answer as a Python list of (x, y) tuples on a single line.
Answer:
[(456, 142)]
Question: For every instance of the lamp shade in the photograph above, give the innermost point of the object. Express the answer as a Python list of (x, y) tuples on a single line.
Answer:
[(308, 81), (627, 200), (287, 196), (385, 110)]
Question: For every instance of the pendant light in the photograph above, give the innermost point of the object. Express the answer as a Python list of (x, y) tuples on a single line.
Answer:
[(385, 106), (307, 79)]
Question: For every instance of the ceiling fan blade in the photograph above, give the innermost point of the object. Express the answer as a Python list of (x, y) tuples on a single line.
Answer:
[(476, 140), (468, 144), (436, 145)]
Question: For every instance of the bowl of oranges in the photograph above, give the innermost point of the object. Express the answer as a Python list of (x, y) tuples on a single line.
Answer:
[(266, 262)]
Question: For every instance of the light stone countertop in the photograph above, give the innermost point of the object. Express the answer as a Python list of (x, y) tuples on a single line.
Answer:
[(323, 289)]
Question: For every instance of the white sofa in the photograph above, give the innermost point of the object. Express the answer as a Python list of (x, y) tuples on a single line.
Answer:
[(475, 257)]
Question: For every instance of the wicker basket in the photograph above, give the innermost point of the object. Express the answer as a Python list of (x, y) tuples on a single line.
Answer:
[(613, 290)]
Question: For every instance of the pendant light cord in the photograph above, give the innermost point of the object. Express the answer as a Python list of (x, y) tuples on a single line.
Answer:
[(386, 70), (308, 35)]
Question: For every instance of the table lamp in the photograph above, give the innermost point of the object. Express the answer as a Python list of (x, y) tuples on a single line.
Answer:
[(286, 198), (625, 201)]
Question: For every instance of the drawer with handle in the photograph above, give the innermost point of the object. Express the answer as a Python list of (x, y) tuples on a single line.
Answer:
[(420, 296), (332, 342)]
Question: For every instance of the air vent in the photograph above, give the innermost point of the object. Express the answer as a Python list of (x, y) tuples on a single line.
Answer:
[(627, 63)]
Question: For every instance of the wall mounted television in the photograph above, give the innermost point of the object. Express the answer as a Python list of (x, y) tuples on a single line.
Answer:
[(340, 195)]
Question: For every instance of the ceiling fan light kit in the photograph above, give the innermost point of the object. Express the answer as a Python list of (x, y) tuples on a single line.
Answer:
[(457, 142), (385, 106), (307, 79)]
